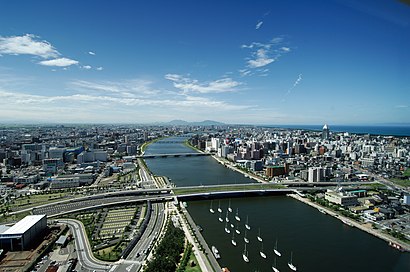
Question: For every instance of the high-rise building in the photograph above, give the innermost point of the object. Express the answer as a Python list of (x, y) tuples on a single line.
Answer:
[(325, 132)]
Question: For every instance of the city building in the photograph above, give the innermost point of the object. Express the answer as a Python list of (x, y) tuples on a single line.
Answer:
[(24, 233), (325, 132), (341, 198)]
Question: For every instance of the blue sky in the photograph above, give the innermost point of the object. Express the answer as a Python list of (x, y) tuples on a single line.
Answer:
[(253, 62)]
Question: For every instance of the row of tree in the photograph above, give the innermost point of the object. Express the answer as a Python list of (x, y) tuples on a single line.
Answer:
[(168, 252)]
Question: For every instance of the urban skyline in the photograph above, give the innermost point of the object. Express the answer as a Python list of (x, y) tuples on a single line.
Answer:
[(243, 63)]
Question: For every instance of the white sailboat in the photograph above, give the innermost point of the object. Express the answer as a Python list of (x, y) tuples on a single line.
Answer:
[(219, 207), (229, 206), (232, 225), (276, 249), (227, 230), (211, 209), (237, 215), (263, 255), (246, 224), (290, 264), (237, 229), (259, 235), (246, 239), (226, 217), (274, 266), (220, 219), (233, 239), (245, 255)]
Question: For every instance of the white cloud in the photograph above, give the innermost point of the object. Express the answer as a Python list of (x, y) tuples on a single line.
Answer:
[(87, 67), (27, 45), (261, 59), (401, 106), (263, 54), (60, 62), (99, 68), (258, 25), (192, 85), (91, 53)]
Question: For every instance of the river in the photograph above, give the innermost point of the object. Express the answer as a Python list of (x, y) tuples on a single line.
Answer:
[(318, 242)]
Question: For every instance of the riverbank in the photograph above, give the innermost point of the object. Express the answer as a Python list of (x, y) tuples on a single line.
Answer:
[(364, 227), (232, 167)]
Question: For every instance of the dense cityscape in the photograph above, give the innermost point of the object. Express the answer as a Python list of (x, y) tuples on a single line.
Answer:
[(60, 183), (204, 136)]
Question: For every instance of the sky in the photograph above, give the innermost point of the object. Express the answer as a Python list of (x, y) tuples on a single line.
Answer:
[(241, 62)]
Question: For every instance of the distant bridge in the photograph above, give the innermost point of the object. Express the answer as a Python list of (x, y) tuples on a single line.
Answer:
[(151, 156)]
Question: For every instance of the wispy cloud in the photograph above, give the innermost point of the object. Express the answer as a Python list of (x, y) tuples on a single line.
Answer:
[(258, 25), (28, 44), (192, 85), (87, 67), (263, 54), (296, 83), (99, 68), (60, 62), (401, 106), (91, 53)]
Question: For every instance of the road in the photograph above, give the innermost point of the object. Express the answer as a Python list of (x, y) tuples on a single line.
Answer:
[(83, 249)]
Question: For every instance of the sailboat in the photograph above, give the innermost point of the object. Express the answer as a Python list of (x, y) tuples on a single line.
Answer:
[(259, 235), (276, 249), (226, 217), (245, 255), (210, 209), (233, 239), (219, 207), (237, 229), (232, 225), (246, 224), (237, 215), (246, 239), (220, 219), (227, 230), (290, 264), (263, 255), (229, 206), (274, 266)]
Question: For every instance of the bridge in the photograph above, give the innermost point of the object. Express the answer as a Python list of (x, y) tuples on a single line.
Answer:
[(180, 193), (151, 156)]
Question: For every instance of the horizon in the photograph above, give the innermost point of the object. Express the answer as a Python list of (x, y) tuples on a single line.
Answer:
[(285, 63)]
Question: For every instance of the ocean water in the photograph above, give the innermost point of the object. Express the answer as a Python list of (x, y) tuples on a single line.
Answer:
[(374, 130)]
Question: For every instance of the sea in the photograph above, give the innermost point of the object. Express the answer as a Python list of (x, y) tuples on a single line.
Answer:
[(390, 130)]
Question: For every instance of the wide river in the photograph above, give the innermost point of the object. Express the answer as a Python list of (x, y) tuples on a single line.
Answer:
[(319, 242)]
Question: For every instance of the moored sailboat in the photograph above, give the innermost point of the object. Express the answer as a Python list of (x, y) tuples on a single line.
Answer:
[(233, 239), (274, 266), (229, 206), (237, 215), (290, 264), (263, 255), (211, 209), (245, 238), (246, 224), (276, 249), (219, 207), (259, 235), (227, 230), (245, 255)]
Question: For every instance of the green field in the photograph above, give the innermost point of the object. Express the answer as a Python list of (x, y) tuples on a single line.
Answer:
[(401, 182), (195, 268)]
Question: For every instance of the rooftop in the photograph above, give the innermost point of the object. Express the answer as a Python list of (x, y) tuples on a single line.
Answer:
[(24, 224)]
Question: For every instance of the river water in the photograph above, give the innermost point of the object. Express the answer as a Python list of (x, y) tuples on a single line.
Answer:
[(319, 242)]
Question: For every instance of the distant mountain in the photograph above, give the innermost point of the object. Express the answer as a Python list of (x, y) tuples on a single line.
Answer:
[(202, 123)]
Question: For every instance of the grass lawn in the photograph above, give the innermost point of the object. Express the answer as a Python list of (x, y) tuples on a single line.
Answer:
[(196, 268), (13, 218), (36, 200)]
